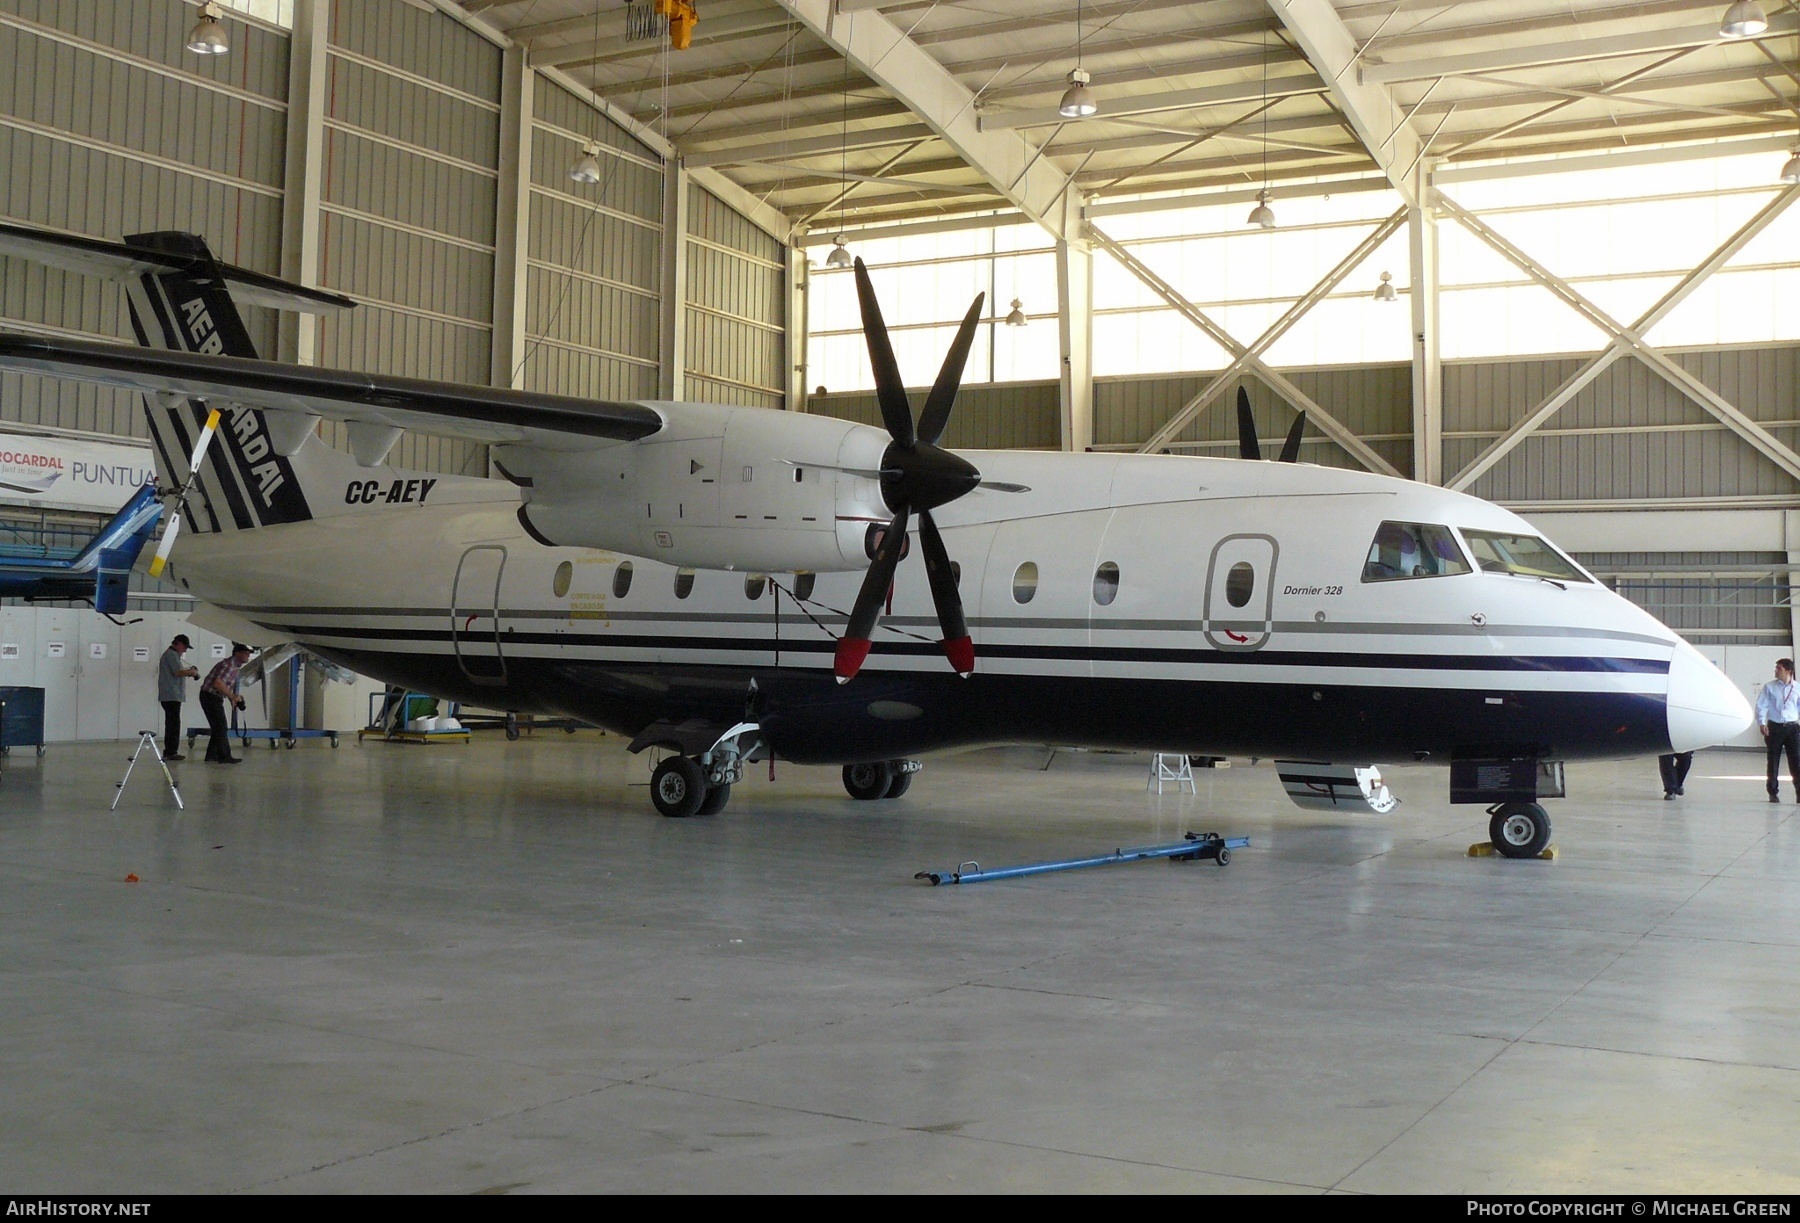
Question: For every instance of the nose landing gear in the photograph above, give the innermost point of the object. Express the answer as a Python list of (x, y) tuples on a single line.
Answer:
[(880, 778)]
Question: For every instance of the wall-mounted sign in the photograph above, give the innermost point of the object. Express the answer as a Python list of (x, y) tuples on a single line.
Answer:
[(96, 649), (55, 649), (218, 649), (140, 653), (63, 473), (8, 651)]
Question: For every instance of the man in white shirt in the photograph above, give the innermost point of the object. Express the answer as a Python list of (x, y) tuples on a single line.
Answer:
[(1778, 714)]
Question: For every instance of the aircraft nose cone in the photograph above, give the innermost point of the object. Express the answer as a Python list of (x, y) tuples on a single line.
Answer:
[(1705, 708)]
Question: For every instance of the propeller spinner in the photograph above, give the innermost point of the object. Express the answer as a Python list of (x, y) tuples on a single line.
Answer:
[(917, 476)]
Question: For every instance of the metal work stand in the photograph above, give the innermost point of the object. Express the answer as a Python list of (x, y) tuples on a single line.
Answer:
[(1181, 772), (147, 738)]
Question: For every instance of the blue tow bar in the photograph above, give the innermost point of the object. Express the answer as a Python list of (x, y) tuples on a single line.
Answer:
[(1195, 846)]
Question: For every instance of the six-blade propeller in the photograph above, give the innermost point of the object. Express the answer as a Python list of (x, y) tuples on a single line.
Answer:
[(917, 476), (1250, 448)]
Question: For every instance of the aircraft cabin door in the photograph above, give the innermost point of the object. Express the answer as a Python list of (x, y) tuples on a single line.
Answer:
[(1240, 591), (475, 615)]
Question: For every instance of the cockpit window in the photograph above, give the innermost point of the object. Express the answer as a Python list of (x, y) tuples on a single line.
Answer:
[(1412, 550), (1525, 555)]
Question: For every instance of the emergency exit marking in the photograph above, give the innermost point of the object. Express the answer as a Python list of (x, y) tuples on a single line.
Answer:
[(218, 649), (54, 650), (8, 650), (140, 653), (96, 649)]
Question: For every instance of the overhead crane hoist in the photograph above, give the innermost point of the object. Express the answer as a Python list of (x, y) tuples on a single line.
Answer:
[(679, 15)]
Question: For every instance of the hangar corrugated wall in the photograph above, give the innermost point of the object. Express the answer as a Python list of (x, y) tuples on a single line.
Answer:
[(736, 307), (593, 293)]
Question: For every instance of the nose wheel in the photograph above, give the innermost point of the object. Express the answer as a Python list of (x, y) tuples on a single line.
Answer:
[(1519, 830), (877, 779)]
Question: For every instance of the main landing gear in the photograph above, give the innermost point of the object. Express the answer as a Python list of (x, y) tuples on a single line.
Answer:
[(701, 785), (880, 778), (1518, 830)]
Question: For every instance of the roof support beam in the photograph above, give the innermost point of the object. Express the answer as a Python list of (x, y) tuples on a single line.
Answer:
[(878, 48), (1565, 51), (1628, 340), (1377, 119), (1280, 327), (1252, 362), (789, 150)]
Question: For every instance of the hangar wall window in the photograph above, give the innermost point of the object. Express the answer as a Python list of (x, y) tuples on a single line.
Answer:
[(925, 283), (275, 12), (1412, 550)]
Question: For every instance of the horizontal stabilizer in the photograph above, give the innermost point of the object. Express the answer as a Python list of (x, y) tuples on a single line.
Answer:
[(119, 260), (1331, 787), (484, 414)]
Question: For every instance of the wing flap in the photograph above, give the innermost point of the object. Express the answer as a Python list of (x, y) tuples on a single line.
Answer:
[(484, 414)]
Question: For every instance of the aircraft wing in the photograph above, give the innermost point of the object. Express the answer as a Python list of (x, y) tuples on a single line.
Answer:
[(484, 414)]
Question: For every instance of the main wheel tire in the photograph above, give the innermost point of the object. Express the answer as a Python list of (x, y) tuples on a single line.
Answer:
[(677, 788), (868, 781), (1519, 830), (716, 798), (900, 785)]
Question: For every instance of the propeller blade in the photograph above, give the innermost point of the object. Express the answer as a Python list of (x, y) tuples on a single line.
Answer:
[(200, 445), (896, 408), (853, 647), (943, 392), (1248, 446), (957, 646), (1001, 486), (178, 502), (1290, 449), (167, 542)]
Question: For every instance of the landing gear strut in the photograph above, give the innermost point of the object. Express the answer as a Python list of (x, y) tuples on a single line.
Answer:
[(880, 778), (1518, 830), (701, 785)]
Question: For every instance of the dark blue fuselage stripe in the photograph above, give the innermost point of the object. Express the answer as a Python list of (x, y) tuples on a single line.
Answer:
[(1261, 658)]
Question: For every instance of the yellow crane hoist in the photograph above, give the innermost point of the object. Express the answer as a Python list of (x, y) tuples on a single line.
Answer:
[(682, 19)]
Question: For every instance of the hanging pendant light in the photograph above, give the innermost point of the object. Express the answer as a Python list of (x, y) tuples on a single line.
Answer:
[(839, 256), (1262, 215), (1077, 100), (1017, 318), (587, 168), (1745, 19), (1384, 292), (208, 35), (1790, 173)]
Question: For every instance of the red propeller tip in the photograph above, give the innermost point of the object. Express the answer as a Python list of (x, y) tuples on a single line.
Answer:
[(961, 653), (851, 651)]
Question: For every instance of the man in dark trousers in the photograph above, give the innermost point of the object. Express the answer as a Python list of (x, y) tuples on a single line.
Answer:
[(171, 691), (1778, 714), (1674, 766), (221, 686)]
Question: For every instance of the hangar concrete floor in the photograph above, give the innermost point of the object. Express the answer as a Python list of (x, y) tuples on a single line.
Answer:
[(492, 969)]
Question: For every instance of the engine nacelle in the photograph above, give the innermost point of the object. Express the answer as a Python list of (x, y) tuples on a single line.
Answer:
[(718, 488)]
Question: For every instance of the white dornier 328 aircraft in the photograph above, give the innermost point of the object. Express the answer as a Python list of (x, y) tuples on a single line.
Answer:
[(723, 581)]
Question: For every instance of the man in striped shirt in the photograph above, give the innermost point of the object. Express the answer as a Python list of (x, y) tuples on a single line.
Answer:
[(221, 685)]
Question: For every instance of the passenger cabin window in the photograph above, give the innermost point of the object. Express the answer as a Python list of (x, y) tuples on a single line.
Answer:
[(1025, 582), (803, 585), (1413, 550), (622, 580), (559, 584), (1240, 583), (684, 583), (753, 586), (1106, 584), (1526, 555)]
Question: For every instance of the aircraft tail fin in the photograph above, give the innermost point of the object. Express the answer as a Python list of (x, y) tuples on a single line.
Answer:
[(111, 554), (186, 305)]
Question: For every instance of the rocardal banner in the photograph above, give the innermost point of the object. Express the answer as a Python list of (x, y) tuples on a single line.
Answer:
[(63, 473)]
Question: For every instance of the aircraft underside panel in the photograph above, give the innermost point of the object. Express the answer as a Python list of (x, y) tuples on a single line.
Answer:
[(811, 719)]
